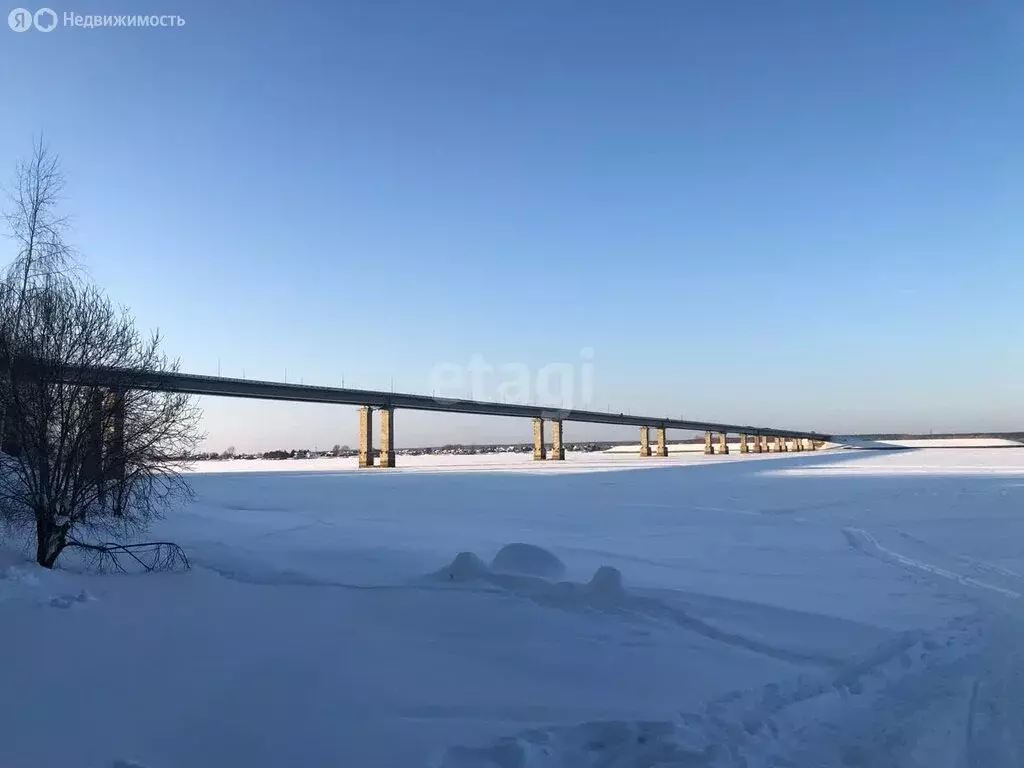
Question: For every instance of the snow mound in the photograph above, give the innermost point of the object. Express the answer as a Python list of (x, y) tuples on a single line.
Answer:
[(18, 582), (66, 601), (528, 559), (24, 582), (607, 582), (20, 574), (465, 567)]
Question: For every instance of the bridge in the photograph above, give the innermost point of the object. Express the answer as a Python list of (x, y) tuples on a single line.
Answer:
[(752, 438)]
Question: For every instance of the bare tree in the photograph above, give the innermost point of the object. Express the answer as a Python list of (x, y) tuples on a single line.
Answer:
[(83, 461), (79, 461), (36, 226)]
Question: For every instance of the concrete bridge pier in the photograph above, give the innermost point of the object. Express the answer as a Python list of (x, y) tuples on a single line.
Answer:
[(540, 452), (758, 445), (662, 449), (557, 449), (723, 445), (780, 447), (365, 436), (744, 448), (709, 447), (10, 439), (387, 437), (645, 441), (367, 453), (94, 440), (114, 448)]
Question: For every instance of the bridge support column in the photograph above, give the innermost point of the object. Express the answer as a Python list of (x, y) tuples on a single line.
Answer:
[(780, 447), (557, 449), (366, 436), (723, 445), (662, 449), (758, 445), (10, 438), (645, 441), (387, 437), (94, 441), (794, 444), (115, 440), (539, 449), (709, 447), (744, 448), (813, 444)]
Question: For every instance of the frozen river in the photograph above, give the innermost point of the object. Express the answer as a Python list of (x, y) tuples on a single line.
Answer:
[(836, 608)]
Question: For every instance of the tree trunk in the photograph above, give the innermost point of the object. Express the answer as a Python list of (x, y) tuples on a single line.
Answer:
[(51, 539)]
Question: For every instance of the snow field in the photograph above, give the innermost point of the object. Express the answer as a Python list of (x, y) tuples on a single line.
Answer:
[(839, 608)]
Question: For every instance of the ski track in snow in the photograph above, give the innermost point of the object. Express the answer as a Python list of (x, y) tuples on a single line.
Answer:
[(864, 542), (970, 562), (568, 596)]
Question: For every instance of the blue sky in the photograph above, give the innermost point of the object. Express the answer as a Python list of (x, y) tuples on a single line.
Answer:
[(802, 214)]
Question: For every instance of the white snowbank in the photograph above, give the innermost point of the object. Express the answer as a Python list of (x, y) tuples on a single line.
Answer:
[(956, 442), (979, 462)]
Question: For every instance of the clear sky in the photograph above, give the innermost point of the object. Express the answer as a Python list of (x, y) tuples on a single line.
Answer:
[(805, 214)]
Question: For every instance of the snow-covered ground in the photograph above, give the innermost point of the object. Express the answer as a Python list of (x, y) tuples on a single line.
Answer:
[(488, 462), (836, 608), (955, 442)]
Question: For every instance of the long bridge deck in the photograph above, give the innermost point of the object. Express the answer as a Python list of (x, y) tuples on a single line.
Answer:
[(219, 386)]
